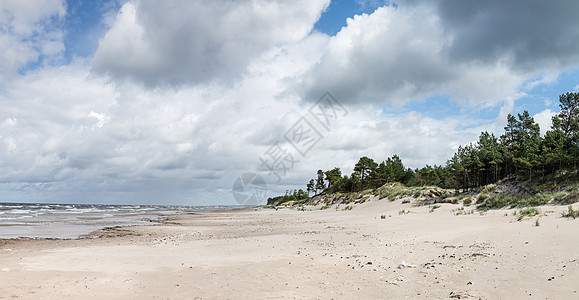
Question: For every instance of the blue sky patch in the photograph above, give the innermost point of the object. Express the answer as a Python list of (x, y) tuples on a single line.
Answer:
[(334, 18)]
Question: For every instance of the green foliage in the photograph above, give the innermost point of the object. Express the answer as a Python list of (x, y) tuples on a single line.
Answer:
[(535, 200), (311, 187), (296, 195), (483, 196), (383, 217), (433, 207), (390, 170), (320, 184), (467, 201), (520, 151), (462, 211), (569, 197), (502, 200), (497, 201), (567, 121), (488, 188), (365, 168), (395, 191), (570, 213), (391, 191), (431, 176), (334, 179), (528, 212)]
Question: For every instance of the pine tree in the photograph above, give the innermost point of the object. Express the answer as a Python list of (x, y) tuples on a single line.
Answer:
[(320, 184), (311, 187), (333, 177), (567, 123), (365, 168), (530, 142)]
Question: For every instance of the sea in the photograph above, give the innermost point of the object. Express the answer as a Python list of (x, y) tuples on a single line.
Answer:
[(71, 221)]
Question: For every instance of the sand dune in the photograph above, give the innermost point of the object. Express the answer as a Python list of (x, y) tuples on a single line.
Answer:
[(318, 254)]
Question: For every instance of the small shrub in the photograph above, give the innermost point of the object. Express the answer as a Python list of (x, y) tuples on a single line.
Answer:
[(462, 211), (571, 197), (535, 200), (405, 201), (467, 201), (483, 197), (537, 223), (489, 188), (497, 201), (383, 217), (361, 200), (528, 212), (570, 213), (500, 201), (433, 207)]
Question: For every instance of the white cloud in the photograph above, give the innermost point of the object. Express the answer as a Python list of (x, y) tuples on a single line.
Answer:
[(123, 142), (420, 49), (398, 55), (201, 41), (544, 119), (82, 132), (29, 31)]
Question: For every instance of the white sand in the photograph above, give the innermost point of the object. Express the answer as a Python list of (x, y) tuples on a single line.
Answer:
[(313, 254)]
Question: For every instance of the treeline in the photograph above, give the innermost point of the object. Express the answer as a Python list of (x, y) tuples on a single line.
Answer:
[(520, 151)]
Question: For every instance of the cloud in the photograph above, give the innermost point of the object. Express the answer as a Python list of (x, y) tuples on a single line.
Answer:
[(528, 35), (475, 53), (390, 57), (544, 119), (29, 32), (86, 138), (201, 41), (78, 133)]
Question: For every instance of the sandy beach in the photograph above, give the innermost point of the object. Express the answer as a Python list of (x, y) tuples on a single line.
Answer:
[(373, 251)]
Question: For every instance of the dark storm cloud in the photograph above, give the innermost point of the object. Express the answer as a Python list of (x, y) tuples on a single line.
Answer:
[(533, 33)]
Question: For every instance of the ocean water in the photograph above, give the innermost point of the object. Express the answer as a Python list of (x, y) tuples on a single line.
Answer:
[(69, 221)]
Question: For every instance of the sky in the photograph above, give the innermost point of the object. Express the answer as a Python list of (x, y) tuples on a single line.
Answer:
[(191, 102)]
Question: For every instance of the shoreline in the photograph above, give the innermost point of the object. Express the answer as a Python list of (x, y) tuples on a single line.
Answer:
[(263, 253), (72, 225)]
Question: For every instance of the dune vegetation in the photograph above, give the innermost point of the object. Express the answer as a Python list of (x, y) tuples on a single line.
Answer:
[(518, 169)]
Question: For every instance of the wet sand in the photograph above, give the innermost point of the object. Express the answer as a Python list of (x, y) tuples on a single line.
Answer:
[(319, 254)]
